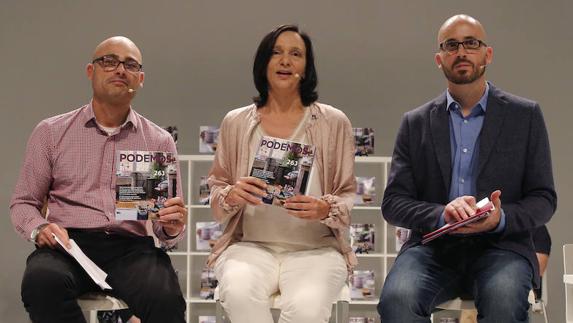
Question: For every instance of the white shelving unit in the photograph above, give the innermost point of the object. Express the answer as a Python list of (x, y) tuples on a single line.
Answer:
[(189, 262)]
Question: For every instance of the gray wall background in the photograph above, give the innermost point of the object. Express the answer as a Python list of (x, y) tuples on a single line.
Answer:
[(374, 59)]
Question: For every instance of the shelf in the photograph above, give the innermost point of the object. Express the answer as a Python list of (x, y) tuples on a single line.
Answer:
[(359, 255), (355, 208), (376, 255), (198, 300), (366, 208), (197, 206), (370, 255), (364, 302), (357, 159), (372, 159), (189, 158), (185, 253), (192, 261)]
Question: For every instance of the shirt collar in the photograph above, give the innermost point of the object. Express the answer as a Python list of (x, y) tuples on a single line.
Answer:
[(482, 103), (88, 116)]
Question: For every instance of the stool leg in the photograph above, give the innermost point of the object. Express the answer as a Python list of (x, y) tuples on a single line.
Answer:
[(93, 317)]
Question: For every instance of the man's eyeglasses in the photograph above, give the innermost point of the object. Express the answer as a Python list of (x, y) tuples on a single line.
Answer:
[(110, 62), (452, 45)]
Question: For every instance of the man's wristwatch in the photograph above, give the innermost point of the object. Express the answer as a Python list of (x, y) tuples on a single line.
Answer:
[(36, 231)]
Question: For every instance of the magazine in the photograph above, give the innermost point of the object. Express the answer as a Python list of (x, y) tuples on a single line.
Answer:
[(362, 237), (208, 139), (484, 207), (402, 235), (173, 132), (285, 166), (208, 283), (363, 141), (207, 319), (207, 234), (144, 181), (365, 190), (362, 284), (204, 191)]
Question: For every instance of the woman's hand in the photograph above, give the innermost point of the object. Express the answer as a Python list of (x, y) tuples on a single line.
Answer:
[(247, 190), (307, 207)]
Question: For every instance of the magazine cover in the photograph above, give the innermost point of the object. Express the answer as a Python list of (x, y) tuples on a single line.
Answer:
[(207, 234), (362, 284), (402, 235), (208, 139), (144, 181), (361, 319), (365, 190), (284, 165), (204, 191), (362, 237), (207, 319), (173, 132), (364, 141), (208, 283)]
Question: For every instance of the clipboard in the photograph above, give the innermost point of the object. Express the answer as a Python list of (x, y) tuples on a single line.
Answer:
[(485, 206)]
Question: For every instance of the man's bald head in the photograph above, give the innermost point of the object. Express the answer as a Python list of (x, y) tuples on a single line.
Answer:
[(458, 20), (109, 45), (465, 64), (115, 71)]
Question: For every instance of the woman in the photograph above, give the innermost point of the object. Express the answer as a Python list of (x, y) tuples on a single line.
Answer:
[(300, 249)]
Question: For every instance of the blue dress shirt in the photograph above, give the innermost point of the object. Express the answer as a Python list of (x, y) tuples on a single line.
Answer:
[(464, 144)]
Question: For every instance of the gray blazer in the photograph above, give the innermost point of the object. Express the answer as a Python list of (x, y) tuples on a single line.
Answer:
[(514, 156)]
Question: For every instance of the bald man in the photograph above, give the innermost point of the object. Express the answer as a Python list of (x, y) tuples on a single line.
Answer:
[(471, 142), (71, 159)]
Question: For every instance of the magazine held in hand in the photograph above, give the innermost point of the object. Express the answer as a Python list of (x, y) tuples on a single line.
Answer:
[(144, 181), (484, 207), (285, 166)]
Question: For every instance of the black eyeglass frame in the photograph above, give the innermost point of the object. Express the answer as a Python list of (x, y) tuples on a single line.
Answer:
[(463, 43), (108, 69)]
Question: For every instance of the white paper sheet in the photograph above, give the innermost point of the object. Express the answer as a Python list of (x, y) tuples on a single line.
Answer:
[(96, 274)]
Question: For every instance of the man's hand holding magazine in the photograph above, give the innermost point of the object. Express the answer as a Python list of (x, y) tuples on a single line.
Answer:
[(482, 216), (465, 206)]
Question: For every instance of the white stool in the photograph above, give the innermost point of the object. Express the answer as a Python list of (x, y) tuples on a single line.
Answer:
[(341, 306), (94, 302), (537, 306)]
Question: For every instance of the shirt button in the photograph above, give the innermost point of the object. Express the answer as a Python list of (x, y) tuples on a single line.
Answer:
[(465, 121), (462, 180), (465, 150)]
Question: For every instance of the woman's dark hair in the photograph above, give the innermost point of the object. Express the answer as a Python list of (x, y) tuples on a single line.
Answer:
[(307, 84)]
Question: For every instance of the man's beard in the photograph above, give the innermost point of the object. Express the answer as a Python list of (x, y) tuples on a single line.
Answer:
[(467, 77)]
